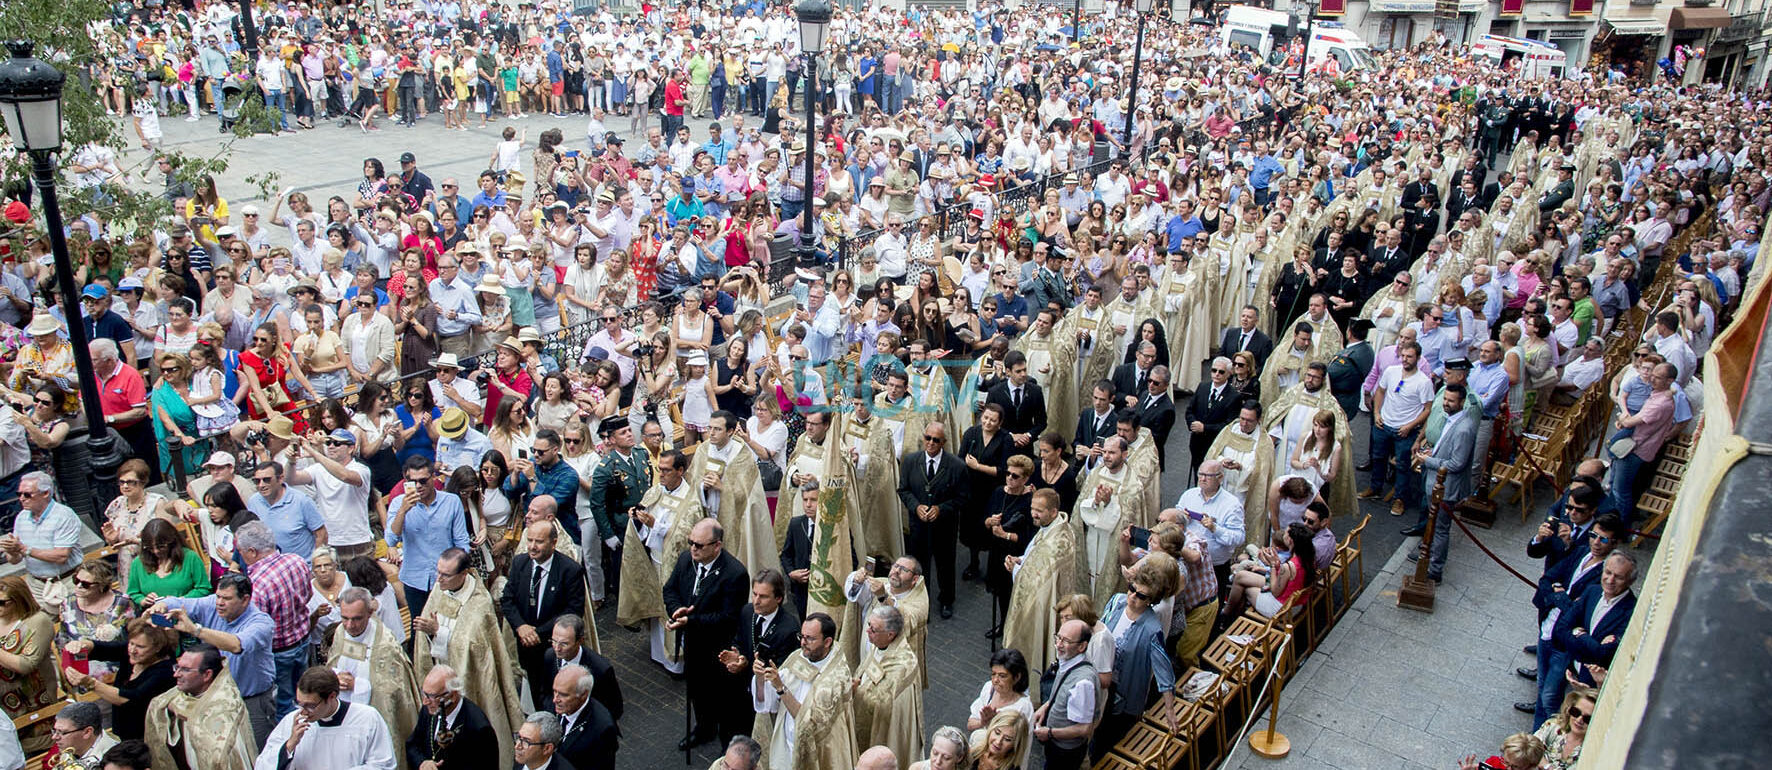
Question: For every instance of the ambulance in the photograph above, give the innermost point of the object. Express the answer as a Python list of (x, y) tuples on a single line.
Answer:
[(1332, 47), (1535, 59)]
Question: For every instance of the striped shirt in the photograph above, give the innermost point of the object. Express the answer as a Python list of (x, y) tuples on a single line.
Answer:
[(281, 586), (1201, 584)]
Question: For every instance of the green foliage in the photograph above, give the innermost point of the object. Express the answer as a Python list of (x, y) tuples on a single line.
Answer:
[(67, 33)]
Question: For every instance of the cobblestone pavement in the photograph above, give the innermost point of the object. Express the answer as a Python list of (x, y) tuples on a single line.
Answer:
[(328, 161)]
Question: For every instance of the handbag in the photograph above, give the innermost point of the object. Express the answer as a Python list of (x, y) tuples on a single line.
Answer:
[(771, 474)]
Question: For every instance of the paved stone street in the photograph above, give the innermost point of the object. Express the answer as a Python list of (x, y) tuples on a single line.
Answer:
[(1389, 688)]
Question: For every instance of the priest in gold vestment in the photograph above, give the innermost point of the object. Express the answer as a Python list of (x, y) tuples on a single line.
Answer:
[(725, 472), (372, 667), (202, 718), (888, 700), (1043, 574), (815, 726), (459, 626)]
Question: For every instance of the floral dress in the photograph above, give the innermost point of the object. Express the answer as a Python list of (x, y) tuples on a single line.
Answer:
[(129, 523), (98, 627)]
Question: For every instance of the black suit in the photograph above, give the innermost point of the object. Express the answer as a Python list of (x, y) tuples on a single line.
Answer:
[(1213, 414), (1128, 381), (606, 690), (1259, 345), (1159, 416), (474, 743), (722, 594), (1414, 191), (796, 554), (1030, 418), (931, 543), (562, 593), (591, 741), (1459, 203), (1092, 429), (1492, 191), (1419, 227), (780, 638), (557, 762)]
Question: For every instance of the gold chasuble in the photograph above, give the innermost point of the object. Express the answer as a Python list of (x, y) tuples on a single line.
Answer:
[(823, 733), (888, 702), (470, 639), (647, 560), (740, 502), (1049, 571), (210, 731), (392, 687)]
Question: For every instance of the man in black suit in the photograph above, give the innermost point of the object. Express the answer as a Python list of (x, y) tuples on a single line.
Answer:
[(537, 743), (1420, 188), (544, 585), (706, 590), (1494, 189), (1587, 633), (1247, 336), (1024, 406), (768, 632), (932, 487), (796, 553), (1422, 222), (589, 736), (1463, 199), (1213, 406), (1095, 424), (1389, 257), (566, 648), (452, 730), (1566, 579), (1132, 381), (1157, 412)]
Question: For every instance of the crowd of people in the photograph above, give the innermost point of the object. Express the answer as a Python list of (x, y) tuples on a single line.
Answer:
[(414, 437)]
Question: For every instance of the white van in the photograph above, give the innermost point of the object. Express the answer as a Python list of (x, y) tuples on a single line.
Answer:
[(1536, 59), (1262, 30)]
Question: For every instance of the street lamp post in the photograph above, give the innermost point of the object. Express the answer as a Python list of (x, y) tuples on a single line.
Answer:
[(30, 97), (1144, 8), (815, 23)]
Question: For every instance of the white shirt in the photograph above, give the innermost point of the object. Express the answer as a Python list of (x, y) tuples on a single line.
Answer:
[(355, 737), (1404, 395), (344, 506)]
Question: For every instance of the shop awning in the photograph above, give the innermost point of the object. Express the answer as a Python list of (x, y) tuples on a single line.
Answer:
[(1647, 25), (1699, 18), (1402, 6)]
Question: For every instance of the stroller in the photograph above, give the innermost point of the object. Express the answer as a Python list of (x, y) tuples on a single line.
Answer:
[(234, 96)]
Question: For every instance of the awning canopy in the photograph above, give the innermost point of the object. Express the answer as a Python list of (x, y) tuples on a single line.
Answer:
[(1699, 18), (1647, 25)]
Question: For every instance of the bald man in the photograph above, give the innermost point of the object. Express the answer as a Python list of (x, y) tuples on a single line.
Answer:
[(544, 585), (932, 486), (877, 758)]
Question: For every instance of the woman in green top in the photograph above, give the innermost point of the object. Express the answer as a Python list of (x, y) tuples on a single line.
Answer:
[(165, 567)]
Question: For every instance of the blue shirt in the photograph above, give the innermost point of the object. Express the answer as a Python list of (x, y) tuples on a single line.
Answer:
[(1434, 345), (253, 668), (293, 519), (1265, 167), (1179, 228), (495, 201), (1012, 306), (717, 150), (458, 296), (428, 531), (58, 527), (558, 481), (1489, 383), (463, 451)]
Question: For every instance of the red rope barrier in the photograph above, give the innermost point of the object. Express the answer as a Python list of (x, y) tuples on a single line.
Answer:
[(1489, 553)]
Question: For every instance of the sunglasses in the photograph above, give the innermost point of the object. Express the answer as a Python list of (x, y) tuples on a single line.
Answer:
[(337, 443), (1216, 370), (1575, 712), (936, 439), (574, 441)]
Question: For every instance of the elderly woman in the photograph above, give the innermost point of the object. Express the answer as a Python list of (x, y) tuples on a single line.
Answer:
[(165, 568), (46, 358), (328, 582), (27, 659), (94, 612), (130, 512), (1140, 660)]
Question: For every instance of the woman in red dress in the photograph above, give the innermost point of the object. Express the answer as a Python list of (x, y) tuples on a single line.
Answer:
[(263, 368)]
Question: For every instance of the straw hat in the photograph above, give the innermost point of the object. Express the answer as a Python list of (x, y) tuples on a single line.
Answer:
[(453, 423), (42, 324), (489, 284)]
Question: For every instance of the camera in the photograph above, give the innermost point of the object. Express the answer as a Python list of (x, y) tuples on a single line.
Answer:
[(645, 350), (257, 437)]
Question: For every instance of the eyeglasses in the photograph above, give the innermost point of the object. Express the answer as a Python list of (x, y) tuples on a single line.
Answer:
[(693, 544), (936, 439), (610, 319), (522, 741), (1015, 475), (45, 402), (447, 186), (1575, 712), (129, 482), (264, 480), (432, 697), (78, 583)]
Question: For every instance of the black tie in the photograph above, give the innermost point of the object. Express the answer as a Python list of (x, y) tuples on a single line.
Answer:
[(1244, 345), (1018, 399), (700, 573), (535, 577), (759, 631), (1217, 391), (931, 469), (1141, 380)]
